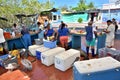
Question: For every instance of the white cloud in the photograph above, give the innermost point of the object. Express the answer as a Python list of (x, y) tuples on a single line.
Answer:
[(113, 1)]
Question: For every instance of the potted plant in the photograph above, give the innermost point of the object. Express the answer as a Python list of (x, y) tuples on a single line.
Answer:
[(80, 20)]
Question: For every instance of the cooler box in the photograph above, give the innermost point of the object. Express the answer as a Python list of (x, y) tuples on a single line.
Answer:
[(47, 58), (38, 41), (33, 48), (97, 69), (49, 44), (7, 35), (39, 51), (65, 60), (103, 52)]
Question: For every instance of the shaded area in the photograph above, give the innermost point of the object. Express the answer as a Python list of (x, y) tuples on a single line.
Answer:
[(4, 19)]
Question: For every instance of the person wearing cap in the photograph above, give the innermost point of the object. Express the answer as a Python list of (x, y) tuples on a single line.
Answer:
[(90, 38), (26, 36), (110, 34), (115, 23)]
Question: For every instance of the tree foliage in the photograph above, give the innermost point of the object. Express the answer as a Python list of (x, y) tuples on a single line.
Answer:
[(64, 8), (82, 6), (80, 20), (91, 5), (9, 8)]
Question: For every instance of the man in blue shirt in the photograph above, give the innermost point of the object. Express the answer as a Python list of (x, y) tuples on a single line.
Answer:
[(49, 32), (90, 38), (26, 37)]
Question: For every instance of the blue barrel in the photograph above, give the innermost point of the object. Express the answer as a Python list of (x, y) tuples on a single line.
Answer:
[(76, 41), (101, 42)]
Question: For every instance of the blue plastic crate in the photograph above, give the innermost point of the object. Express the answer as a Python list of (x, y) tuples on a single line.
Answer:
[(49, 44), (3, 58), (38, 55)]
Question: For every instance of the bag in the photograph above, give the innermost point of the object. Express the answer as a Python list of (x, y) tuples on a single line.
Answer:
[(27, 64), (15, 53), (103, 52), (2, 58), (10, 60)]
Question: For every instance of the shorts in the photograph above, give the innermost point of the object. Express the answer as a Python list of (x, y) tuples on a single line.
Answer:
[(63, 39), (91, 43)]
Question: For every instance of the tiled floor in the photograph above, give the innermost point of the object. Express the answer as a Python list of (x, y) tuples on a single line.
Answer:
[(42, 72)]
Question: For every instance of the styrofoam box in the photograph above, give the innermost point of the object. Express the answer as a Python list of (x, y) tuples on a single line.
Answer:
[(65, 60), (40, 50), (105, 68), (47, 58), (33, 48), (39, 41)]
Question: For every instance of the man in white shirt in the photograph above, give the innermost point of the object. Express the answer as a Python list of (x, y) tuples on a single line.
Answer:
[(15, 29), (110, 34), (2, 40), (95, 28)]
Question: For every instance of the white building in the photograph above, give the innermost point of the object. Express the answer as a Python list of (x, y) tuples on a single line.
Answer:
[(110, 11)]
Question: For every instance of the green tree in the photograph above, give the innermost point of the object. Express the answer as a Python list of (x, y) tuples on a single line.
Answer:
[(9, 8), (82, 6), (70, 7), (91, 5), (64, 8)]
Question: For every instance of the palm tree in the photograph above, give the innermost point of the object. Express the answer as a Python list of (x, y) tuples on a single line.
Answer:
[(91, 5)]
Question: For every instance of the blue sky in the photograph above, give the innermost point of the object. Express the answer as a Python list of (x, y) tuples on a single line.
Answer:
[(59, 3)]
